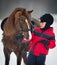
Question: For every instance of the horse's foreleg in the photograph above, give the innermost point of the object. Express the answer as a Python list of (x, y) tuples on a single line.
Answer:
[(24, 55), (18, 54), (7, 56), (19, 60)]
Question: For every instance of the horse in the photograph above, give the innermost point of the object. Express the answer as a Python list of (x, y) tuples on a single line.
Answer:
[(15, 27)]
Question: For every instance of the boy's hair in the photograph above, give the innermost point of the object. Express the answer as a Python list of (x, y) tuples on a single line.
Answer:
[(48, 18)]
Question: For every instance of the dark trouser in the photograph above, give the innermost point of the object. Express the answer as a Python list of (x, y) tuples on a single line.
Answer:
[(36, 60)]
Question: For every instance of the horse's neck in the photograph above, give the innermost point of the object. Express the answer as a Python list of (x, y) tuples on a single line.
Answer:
[(9, 28)]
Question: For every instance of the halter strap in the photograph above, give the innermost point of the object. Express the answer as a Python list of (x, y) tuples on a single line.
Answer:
[(21, 26), (26, 30)]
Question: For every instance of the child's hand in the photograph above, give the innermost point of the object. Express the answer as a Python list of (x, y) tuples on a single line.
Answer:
[(25, 41), (46, 43)]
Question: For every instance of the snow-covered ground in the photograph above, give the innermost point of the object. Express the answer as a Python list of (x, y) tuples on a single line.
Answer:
[(51, 57)]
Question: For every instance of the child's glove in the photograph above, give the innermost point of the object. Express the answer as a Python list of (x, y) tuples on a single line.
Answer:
[(46, 43)]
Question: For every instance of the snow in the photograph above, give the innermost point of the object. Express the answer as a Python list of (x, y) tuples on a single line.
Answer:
[(51, 58)]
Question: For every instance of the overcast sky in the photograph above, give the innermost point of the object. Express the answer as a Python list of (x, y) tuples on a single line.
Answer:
[(39, 6)]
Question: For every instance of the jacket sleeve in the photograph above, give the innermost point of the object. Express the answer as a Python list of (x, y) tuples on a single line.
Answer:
[(52, 42)]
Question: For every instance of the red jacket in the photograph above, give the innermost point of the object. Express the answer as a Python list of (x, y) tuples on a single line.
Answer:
[(40, 47)]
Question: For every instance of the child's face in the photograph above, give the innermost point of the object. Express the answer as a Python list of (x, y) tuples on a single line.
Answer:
[(42, 24)]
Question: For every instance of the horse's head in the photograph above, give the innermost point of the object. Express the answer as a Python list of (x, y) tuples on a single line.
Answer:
[(18, 23)]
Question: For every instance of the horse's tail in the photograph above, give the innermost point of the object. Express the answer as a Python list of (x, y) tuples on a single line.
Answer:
[(3, 22)]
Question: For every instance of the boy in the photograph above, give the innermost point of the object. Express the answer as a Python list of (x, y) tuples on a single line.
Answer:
[(43, 39)]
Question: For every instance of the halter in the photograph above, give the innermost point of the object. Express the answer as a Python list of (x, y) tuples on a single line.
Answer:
[(20, 36), (21, 30)]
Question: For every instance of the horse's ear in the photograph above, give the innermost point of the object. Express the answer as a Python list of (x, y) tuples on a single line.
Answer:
[(23, 11), (30, 11)]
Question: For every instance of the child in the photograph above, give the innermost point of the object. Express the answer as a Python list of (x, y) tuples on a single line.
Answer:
[(43, 39)]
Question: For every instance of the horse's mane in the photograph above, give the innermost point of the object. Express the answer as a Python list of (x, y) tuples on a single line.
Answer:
[(8, 27), (11, 17)]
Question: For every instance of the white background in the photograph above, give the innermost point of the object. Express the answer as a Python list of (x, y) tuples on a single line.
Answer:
[(51, 57)]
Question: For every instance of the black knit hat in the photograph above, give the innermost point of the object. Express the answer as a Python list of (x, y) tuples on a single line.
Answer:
[(48, 18)]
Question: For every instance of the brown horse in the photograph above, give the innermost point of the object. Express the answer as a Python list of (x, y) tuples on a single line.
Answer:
[(15, 27)]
